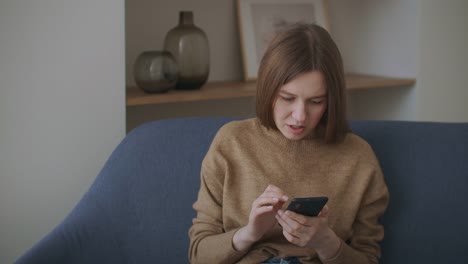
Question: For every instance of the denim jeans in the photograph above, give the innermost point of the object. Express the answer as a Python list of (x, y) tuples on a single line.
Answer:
[(288, 260)]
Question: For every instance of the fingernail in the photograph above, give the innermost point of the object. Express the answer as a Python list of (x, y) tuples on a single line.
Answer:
[(285, 198), (275, 199)]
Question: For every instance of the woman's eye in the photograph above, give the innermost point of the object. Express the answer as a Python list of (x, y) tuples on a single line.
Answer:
[(317, 101), (287, 99)]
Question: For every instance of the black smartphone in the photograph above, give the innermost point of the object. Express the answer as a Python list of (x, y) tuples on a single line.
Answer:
[(310, 206)]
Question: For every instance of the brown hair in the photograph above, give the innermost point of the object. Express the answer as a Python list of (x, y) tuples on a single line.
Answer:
[(297, 49)]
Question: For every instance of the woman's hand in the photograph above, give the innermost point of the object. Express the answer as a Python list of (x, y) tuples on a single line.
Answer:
[(261, 218), (312, 232)]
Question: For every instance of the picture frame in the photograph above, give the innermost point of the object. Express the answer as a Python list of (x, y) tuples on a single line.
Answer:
[(258, 20)]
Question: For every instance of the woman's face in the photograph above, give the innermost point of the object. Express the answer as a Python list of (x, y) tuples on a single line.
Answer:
[(300, 105)]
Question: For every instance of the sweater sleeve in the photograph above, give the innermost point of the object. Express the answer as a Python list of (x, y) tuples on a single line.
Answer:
[(209, 241), (363, 246)]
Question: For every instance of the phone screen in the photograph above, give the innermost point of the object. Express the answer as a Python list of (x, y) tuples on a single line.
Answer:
[(310, 206)]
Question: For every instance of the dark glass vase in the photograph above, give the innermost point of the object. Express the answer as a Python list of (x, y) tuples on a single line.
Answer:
[(155, 71), (189, 46)]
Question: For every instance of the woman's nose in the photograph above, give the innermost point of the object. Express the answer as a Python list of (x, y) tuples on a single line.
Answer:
[(299, 112)]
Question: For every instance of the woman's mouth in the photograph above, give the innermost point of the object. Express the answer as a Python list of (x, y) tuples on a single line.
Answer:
[(296, 130)]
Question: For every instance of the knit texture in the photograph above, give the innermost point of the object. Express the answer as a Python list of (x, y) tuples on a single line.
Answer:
[(245, 157)]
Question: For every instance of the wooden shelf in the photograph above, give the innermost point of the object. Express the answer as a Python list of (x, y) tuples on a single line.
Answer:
[(238, 89)]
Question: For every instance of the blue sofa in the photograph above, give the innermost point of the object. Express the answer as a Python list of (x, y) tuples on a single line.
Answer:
[(139, 208)]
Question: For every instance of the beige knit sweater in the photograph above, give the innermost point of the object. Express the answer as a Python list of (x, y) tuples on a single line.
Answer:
[(245, 157)]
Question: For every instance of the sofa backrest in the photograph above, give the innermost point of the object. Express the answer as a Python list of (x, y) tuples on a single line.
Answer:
[(155, 175), (139, 208), (425, 166), (426, 169)]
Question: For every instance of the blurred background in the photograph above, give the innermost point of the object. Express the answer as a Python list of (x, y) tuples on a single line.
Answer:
[(417, 39)]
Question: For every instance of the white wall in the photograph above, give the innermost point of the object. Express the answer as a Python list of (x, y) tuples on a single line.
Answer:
[(62, 109), (379, 38), (442, 88), (425, 39)]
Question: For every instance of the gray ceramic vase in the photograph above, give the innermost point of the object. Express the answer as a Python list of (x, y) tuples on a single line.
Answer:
[(189, 46), (156, 71)]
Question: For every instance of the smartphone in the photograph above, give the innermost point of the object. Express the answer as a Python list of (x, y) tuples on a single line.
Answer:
[(310, 206)]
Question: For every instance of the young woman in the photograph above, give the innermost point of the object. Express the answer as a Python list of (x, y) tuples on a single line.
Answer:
[(299, 145)]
